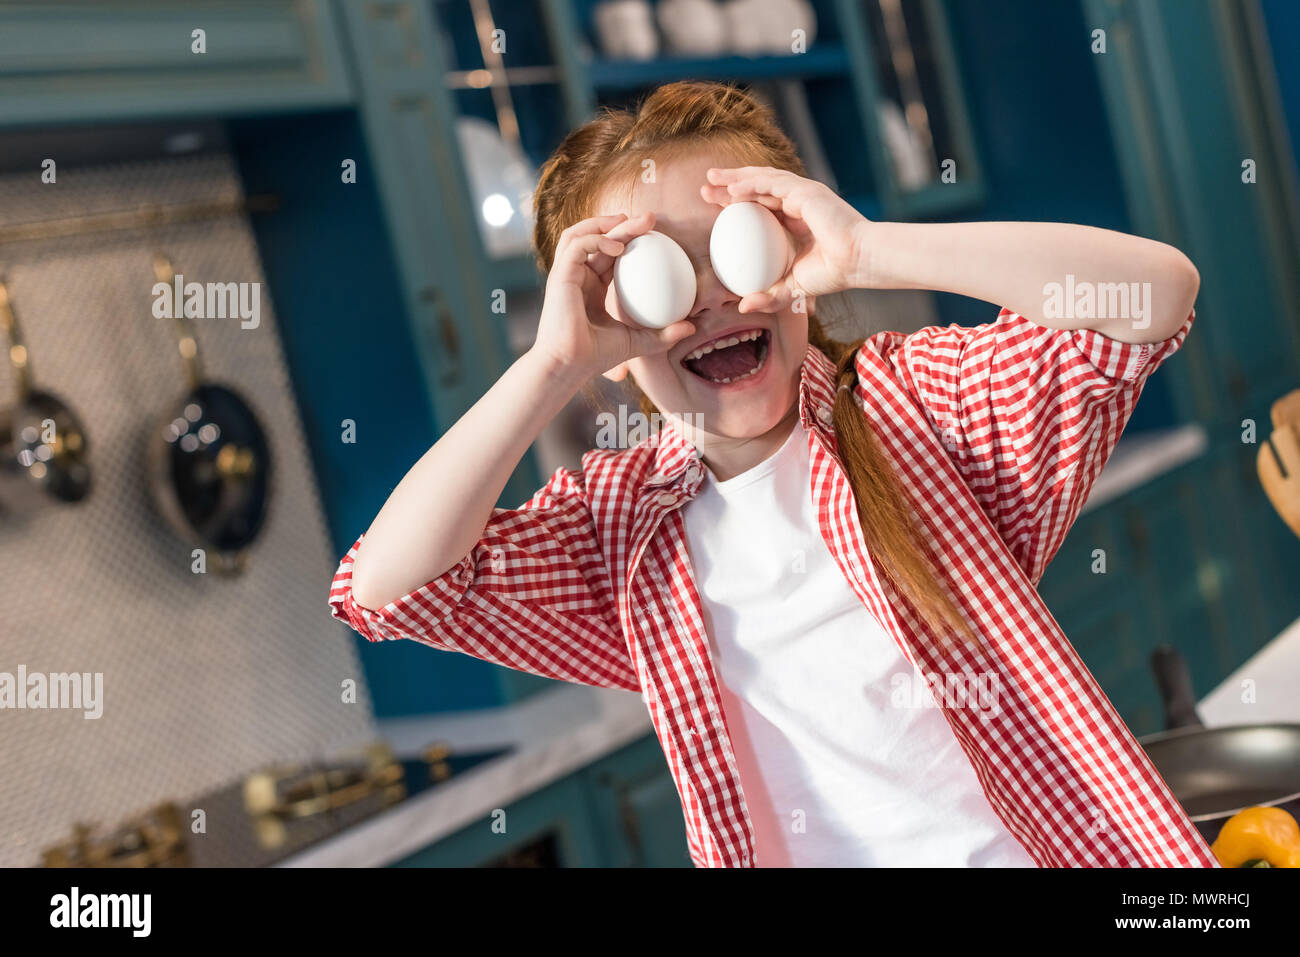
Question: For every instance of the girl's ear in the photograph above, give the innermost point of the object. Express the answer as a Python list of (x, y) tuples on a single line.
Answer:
[(616, 374)]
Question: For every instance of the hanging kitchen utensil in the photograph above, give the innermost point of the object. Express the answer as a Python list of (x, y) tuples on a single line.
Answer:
[(43, 448), (210, 461), (1216, 772), (1278, 461)]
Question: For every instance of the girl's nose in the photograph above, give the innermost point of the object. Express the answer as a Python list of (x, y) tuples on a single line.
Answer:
[(710, 294)]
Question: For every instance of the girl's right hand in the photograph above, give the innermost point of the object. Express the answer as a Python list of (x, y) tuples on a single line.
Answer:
[(582, 326)]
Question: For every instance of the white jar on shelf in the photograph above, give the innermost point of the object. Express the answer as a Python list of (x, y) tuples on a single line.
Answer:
[(693, 27), (745, 26), (778, 21), (625, 30)]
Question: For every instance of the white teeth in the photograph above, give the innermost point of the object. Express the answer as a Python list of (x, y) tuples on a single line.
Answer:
[(724, 343), (755, 371)]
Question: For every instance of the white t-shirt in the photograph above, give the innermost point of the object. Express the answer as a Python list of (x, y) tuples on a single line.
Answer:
[(834, 774)]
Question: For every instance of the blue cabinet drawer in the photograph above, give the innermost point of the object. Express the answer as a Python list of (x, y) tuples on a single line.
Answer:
[(550, 828), (121, 61), (638, 811)]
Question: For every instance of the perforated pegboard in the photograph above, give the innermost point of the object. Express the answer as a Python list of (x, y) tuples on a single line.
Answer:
[(205, 678)]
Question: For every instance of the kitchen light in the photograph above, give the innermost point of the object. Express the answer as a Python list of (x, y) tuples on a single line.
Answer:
[(497, 210)]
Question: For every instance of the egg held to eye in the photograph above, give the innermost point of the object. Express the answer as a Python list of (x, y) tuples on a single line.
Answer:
[(749, 248), (654, 281)]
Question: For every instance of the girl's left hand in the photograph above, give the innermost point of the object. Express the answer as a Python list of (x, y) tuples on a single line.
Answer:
[(828, 233)]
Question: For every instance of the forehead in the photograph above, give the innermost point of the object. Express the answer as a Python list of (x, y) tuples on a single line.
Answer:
[(673, 195)]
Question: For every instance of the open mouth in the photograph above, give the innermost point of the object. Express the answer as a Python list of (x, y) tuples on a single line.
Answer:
[(730, 359)]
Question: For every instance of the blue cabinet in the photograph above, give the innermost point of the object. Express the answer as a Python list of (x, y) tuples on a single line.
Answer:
[(637, 808), (552, 827), (1196, 558), (132, 60), (1190, 560), (1198, 130), (620, 811)]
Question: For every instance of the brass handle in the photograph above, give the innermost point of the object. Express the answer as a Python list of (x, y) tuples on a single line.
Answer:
[(627, 818), (443, 327), (1138, 535), (436, 755)]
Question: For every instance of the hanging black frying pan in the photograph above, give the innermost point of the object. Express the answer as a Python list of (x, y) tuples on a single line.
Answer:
[(43, 448), (210, 461), (1216, 772)]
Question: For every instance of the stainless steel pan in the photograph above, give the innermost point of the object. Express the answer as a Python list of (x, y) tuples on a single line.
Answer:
[(210, 460), (43, 448), (1216, 772)]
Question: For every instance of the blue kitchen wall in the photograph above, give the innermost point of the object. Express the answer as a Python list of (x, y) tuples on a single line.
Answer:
[(1042, 134), (1282, 24), (350, 353)]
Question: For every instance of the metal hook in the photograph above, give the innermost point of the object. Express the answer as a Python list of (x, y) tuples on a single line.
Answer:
[(187, 345)]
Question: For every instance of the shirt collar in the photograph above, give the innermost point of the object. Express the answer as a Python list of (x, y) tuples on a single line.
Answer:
[(677, 463)]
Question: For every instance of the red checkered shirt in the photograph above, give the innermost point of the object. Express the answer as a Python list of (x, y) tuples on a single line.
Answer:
[(997, 432)]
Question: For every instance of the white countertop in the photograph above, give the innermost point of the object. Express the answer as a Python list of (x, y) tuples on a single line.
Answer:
[(1264, 690), (1141, 456), (555, 733)]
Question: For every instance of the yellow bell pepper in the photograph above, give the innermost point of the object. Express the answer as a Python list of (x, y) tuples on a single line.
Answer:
[(1259, 837)]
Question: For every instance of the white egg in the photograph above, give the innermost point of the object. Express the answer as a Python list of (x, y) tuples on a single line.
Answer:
[(749, 248), (654, 280)]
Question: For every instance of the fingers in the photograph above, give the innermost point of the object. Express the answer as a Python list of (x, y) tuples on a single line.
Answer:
[(623, 233), (768, 301), (614, 308), (721, 196), (596, 242), (631, 228), (596, 224), (756, 179), (579, 250), (775, 188), (616, 226), (601, 258), (654, 341), (643, 341), (570, 258), (777, 298)]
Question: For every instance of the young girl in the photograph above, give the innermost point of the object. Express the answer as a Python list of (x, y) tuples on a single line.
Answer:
[(822, 580)]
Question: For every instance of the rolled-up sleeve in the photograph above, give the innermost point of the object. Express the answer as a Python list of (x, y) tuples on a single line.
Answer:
[(1030, 415), (533, 594)]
